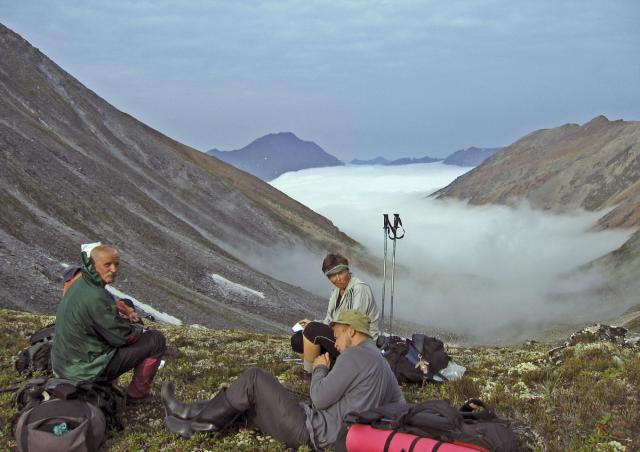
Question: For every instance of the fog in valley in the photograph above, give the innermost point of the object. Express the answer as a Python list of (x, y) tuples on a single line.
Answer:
[(488, 273)]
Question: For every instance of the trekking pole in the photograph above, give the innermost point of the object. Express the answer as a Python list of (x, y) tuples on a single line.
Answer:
[(397, 223), (385, 231)]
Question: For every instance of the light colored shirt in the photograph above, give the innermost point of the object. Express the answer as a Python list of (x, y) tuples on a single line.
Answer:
[(357, 295), (361, 379)]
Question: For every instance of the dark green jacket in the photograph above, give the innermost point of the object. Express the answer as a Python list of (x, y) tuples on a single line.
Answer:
[(88, 329)]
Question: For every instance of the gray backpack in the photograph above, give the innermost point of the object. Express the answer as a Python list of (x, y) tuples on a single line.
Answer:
[(61, 425)]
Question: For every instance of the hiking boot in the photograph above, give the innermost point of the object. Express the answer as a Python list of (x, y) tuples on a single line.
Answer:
[(178, 409), (218, 411), (216, 415), (185, 427)]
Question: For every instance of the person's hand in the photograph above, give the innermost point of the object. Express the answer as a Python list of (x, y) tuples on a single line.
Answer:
[(322, 360), (304, 322)]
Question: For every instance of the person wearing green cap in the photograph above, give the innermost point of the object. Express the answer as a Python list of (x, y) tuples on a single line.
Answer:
[(360, 379)]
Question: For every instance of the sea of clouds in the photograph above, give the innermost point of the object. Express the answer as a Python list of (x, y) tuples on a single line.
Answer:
[(486, 272)]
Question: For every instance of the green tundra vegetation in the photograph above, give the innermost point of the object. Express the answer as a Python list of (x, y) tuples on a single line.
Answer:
[(583, 397)]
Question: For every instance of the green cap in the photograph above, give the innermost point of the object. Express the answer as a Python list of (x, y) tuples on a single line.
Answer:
[(356, 319)]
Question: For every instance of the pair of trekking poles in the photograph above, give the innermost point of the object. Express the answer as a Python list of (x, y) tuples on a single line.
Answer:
[(393, 231)]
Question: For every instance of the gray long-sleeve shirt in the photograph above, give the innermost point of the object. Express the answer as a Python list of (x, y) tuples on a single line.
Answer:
[(361, 379), (357, 295)]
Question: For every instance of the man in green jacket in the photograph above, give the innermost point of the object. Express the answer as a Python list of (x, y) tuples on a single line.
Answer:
[(92, 341)]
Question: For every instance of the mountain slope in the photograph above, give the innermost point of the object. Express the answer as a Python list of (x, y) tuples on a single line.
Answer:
[(472, 156), (74, 169), (595, 166), (272, 155)]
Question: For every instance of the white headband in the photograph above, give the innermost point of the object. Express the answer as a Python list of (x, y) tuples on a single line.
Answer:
[(337, 269)]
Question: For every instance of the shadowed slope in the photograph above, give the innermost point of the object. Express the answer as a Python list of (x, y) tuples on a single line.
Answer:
[(74, 169)]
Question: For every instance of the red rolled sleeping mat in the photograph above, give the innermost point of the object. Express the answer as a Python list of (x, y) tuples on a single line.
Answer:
[(364, 438)]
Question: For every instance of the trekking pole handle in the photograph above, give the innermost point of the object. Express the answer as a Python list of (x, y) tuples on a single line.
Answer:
[(386, 224), (392, 230)]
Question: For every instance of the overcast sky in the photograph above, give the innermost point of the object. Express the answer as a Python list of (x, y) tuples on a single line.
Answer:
[(360, 78)]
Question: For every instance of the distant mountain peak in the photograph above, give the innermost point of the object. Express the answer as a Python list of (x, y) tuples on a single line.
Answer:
[(279, 135), (274, 154)]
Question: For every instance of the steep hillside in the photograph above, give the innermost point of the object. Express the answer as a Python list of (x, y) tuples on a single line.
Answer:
[(272, 155), (73, 169), (581, 397), (595, 167)]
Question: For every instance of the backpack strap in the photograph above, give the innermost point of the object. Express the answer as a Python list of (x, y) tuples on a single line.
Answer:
[(33, 389), (70, 276), (24, 443), (62, 388), (418, 343), (486, 413)]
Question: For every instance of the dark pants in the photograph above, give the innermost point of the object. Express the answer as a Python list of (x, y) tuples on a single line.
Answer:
[(269, 406), (143, 355), (319, 334)]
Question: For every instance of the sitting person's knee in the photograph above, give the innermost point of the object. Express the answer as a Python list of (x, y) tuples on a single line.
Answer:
[(297, 342), (157, 342)]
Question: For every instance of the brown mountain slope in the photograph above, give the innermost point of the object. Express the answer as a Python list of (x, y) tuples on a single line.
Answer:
[(594, 166), (74, 169)]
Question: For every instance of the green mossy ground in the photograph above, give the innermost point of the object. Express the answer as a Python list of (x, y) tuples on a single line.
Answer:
[(585, 399)]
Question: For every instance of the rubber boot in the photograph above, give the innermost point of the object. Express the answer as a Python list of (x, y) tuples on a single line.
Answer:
[(143, 374), (218, 411), (214, 417), (186, 427), (178, 409)]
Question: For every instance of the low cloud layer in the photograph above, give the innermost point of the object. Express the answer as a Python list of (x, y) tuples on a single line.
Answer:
[(489, 273)]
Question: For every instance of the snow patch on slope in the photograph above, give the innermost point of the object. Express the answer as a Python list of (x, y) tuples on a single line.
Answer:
[(227, 286), (162, 317)]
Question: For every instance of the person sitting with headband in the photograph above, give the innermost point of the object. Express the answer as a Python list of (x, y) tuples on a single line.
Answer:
[(349, 293), (361, 379)]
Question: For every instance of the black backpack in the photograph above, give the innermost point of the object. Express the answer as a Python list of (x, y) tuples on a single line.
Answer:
[(415, 360), (107, 397), (37, 357), (439, 420)]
